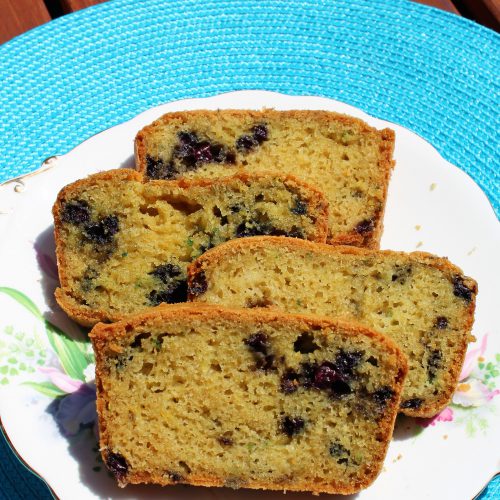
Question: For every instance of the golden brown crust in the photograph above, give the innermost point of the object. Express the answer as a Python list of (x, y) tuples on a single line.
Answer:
[(185, 116), (211, 258), (233, 247), (83, 315), (370, 239), (103, 335), (317, 200), (386, 164), (87, 316)]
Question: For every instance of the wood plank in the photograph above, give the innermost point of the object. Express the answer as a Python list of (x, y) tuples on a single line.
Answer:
[(446, 5), (74, 5), (18, 16), (486, 12)]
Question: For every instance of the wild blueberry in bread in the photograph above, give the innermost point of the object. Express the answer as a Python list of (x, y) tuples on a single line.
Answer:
[(347, 159), (123, 245), (424, 303), (208, 396)]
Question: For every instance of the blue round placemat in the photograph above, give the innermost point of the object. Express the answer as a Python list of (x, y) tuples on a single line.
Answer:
[(430, 71)]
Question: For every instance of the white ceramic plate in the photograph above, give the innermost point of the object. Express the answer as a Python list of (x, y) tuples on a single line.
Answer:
[(47, 399)]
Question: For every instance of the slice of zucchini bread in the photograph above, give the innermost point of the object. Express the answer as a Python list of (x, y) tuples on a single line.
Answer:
[(209, 396), (348, 160), (424, 303), (123, 245)]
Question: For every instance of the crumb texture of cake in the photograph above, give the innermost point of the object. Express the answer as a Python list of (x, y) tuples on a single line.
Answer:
[(123, 245), (204, 395), (424, 303), (347, 159)]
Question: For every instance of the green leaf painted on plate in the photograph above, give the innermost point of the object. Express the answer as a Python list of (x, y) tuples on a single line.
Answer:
[(483, 423), (470, 428), (72, 353), (46, 388), (23, 300)]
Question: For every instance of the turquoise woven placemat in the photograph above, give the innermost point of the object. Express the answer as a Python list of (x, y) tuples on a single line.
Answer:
[(430, 71)]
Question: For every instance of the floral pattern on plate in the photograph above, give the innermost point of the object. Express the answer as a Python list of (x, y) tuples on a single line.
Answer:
[(476, 388), (46, 363), (72, 380)]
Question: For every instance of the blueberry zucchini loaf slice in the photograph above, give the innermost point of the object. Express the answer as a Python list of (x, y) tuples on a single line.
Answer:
[(209, 396), (424, 303), (123, 245), (348, 160)]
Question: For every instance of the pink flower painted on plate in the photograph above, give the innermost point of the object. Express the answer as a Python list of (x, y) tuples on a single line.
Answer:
[(78, 408), (471, 391), (61, 380), (445, 416)]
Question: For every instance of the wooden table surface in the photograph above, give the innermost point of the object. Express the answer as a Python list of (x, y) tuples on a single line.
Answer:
[(18, 16)]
